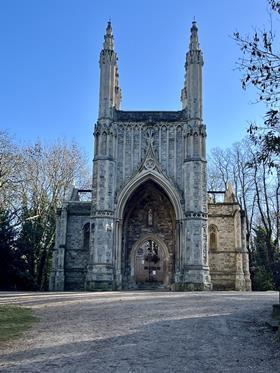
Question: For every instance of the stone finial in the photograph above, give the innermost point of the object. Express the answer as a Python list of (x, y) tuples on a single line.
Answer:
[(211, 198), (73, 194), (108, 38), (194, 44), (109, 30), (229, 194)]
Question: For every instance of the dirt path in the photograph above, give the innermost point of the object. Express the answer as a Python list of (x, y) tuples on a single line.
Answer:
[(145, 332)]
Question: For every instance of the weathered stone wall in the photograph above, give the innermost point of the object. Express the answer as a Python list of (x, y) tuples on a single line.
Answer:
[(227, 256), (77, 246), (131, 148)]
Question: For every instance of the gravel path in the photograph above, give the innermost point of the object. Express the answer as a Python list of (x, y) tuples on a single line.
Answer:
[(145, 332)]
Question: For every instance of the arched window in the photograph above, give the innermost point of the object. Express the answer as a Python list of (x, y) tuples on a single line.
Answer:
[(213, 237), (86, 231)]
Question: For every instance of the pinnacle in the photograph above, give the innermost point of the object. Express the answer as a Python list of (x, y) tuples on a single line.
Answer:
[(109, 30), (194, 45), (109, 38), (194, 26)]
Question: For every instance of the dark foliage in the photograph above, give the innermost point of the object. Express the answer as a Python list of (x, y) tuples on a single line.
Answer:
[(265, 265), (7, 252), (13, 264)]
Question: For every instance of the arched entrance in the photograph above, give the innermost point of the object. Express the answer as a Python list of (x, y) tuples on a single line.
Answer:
[(150, 262), (148, 238)]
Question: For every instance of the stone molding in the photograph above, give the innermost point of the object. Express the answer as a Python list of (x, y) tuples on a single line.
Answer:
[(149, 116), (195, 130), (103, 213), (139, 179), (196, 215)]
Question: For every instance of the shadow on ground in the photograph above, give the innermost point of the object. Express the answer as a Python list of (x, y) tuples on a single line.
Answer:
[(213, 343)]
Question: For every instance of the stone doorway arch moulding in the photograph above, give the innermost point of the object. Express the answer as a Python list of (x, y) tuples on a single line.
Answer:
[(162, 245), (122, 199)]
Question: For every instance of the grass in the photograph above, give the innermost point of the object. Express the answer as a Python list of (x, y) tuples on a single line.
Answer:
[(14, 320)]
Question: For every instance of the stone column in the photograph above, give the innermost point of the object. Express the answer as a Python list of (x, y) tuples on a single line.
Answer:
[(61, 242), (196, 269), (100, 267), (118, 257), (178, 254), (245, 255), (239, 275), (245, 261)]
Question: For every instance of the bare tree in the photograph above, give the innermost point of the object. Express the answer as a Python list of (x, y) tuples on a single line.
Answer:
[(10, 165), (34, 181), (257, 187), (232, 165), (218, 169), (48, 173)]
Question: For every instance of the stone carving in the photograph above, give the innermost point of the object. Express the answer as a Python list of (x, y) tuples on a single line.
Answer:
[(105, 213), (149, 164), (150, 137), (196, 215), (150, 217), (210, 198)]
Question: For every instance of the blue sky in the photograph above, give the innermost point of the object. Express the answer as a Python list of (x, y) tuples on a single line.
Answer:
[(49, 73)]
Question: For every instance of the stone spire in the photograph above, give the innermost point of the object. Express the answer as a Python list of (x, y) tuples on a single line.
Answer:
[(109, 92), (191, 95)]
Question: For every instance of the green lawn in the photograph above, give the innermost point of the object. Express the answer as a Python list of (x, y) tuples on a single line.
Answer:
[(14, 320)]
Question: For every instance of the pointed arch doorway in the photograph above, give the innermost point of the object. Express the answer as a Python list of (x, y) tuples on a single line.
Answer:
[(150, 262), (148, 239)]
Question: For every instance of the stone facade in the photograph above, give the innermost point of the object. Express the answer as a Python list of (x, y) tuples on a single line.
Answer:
[(228, 256), (147, 223)]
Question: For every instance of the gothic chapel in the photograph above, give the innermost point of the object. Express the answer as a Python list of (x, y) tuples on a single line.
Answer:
[(150, 222)]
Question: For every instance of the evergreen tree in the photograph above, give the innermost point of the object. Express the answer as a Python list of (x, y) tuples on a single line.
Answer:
[(265, 270), (26, 245), (7, 253)]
